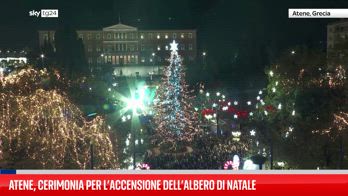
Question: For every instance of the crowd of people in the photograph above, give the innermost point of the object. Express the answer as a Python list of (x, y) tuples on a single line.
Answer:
[(209, 152)]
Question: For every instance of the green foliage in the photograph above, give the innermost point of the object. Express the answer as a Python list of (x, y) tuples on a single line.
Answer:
[(298, 81)]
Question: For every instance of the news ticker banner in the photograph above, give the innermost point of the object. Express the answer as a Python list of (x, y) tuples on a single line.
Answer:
[(317, 13), (172, 182)]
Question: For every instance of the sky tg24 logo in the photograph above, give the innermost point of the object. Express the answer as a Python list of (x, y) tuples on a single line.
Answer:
[(45, 13)]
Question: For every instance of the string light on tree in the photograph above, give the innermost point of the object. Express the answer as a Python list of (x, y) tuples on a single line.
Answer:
[(49, 129), (175, 118)]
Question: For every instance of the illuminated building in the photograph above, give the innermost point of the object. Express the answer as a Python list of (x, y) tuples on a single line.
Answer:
[(121, 44)]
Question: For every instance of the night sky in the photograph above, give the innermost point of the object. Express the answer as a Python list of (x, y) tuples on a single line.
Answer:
[(220, 23), (225, 27)]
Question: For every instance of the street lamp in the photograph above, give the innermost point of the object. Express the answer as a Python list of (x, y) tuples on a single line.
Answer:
[(154, 61), (204, 54), (42, 56), (136, 105)]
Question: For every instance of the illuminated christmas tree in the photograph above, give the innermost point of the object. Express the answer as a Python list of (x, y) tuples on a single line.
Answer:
[(41, 128), (175, 118)]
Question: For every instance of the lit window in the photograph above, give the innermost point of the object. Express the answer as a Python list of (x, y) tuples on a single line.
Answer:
[(158, 48), (98, 49), (174, 35), (89, 36), (182, 35), (190, 35), (98, 36), (142, 47), (141, 36), (150, 35), (90, 49), (81, 36), (109, 36), (190, 47), (158, 36), (166, 36)]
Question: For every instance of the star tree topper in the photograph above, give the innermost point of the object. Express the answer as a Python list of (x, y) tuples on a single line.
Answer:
[(174, 46)]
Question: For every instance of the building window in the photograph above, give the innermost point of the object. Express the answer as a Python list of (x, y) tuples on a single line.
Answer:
[(90, 61), (110, 48), (150, 35), (166, 36), (191, 58), (190, 35), (109, 36), (81, 36), (97, 36), (158, 36), (98, 49), (142, 59), (182, 36), (182, 47), (89, 36), (142, 48), (174, 35), (89, 49), (190, 47), (121, 35)]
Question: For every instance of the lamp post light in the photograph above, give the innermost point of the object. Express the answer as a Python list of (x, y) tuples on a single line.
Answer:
[(42, 56), (135, 104), (154, 62)]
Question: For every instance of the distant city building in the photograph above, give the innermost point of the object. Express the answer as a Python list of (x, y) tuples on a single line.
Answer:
[(336, 32), (121, 44)]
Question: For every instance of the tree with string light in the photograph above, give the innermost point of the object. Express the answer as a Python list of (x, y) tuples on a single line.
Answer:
[(175, 119), (40, 128), (301, 109)]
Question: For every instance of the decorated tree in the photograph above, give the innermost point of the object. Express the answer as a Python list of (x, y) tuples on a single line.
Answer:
[(298, 118), (41, 128), (175, 117)]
